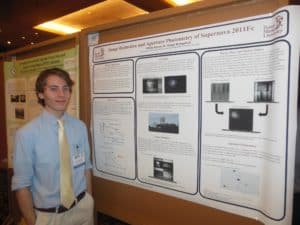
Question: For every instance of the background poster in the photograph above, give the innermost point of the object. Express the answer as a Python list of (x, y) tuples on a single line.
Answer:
[(20, 97), (210, 113)]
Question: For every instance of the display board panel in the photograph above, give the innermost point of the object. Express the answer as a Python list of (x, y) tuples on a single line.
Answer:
[(172, 23)]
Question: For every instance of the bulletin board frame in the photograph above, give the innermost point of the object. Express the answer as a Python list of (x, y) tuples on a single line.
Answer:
[(138, 206)]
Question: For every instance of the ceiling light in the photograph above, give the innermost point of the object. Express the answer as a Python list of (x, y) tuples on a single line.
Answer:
[(8, 42), (56, 28), (181, 2), (104, 12), (23, 37)]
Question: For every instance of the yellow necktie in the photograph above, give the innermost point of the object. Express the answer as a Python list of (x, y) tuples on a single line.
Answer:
[(67, 195)]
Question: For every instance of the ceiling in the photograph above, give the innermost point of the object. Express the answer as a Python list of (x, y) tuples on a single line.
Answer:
[(17, 18)]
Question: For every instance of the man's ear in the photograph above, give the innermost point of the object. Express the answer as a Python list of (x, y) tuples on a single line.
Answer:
[(40, 95)]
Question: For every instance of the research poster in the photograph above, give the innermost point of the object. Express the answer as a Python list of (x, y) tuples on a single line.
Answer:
[(20, 96), (207, 114)]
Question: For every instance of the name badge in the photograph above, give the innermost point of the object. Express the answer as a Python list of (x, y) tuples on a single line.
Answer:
[(78, 158)]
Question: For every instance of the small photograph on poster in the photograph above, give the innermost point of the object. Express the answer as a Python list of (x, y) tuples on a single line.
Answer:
[(164, 122), (175, 84), (19, 113), (22, 98), (264, 91), (241, 119), (220, 92), (152, 85), (14, 98), (238, 181), (163, 169)]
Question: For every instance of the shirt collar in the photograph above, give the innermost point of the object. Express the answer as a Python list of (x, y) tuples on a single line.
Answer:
[(48, 117)]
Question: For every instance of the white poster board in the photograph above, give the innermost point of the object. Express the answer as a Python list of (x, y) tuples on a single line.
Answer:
[(205, 114)]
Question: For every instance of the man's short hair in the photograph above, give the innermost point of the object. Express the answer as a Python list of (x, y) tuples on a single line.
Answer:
[(42, 80)]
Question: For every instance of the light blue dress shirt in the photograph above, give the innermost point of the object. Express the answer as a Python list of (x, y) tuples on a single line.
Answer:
[(36, 158)]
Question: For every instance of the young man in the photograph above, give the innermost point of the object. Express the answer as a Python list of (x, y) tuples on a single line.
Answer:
[(37, 163)]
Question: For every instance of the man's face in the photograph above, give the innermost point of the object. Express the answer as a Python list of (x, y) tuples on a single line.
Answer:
[(56, 95)]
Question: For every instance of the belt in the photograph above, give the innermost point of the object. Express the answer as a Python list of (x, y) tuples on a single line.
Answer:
[(61, 208)]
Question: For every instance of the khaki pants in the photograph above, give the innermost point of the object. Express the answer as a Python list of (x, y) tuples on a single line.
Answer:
[(80, 214)]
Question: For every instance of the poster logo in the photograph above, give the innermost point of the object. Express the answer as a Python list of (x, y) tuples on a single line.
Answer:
[(12, 71), (99, 53), (276, 28)]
